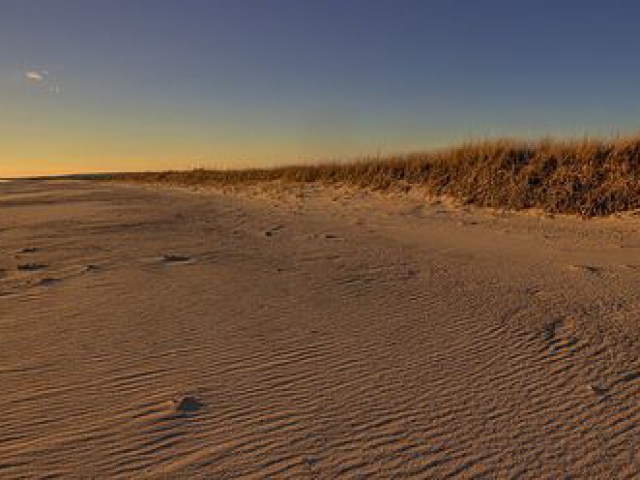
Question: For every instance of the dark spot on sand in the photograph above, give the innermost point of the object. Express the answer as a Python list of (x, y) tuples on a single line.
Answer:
[(175, 258), (187, 404), (630, 376)]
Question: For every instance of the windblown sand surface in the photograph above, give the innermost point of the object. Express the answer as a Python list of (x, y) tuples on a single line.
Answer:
[(149, 333)]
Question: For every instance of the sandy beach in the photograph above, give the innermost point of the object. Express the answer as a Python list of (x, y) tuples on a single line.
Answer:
[(151, 332)]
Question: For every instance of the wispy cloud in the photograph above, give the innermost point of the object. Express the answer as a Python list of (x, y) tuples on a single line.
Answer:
[(42, 78), (35, 75)]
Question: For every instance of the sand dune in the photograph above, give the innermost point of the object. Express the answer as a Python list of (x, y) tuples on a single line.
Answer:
[(162, 333)]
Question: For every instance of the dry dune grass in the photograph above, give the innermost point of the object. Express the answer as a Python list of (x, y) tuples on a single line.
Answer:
[(585, 177)]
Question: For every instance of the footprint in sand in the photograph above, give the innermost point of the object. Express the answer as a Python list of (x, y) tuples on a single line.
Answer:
[(534, 291), (589, 269), (272, 231), (598, 390), (31, 267), (176, 258), (330, 236), (324, 236), (412, 272), (559, 329), (549, 330)]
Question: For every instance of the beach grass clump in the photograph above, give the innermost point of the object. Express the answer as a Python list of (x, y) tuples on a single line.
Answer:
[(586, 177)]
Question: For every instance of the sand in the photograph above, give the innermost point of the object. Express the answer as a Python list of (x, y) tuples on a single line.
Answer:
[(164, 333)]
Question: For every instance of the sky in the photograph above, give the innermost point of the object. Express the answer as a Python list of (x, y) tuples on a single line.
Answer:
[(97, 85)]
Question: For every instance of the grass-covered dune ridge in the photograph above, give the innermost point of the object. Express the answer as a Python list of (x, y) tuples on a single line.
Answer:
[(586, 177)]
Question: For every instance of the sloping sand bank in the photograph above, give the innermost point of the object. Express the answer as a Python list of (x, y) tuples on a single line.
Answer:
[(160, 333)]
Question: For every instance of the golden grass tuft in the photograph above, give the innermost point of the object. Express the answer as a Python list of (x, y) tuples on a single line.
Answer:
[(585, 177)]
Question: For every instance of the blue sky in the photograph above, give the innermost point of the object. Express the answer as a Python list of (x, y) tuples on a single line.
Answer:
[(146, 84)]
